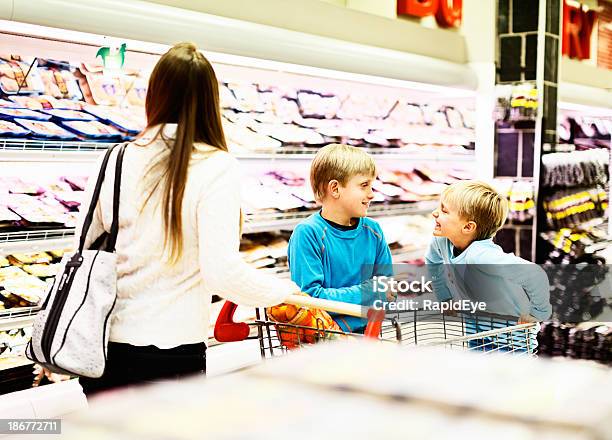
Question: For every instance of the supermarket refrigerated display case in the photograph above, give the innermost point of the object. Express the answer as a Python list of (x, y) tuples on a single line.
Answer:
[(278, 109)]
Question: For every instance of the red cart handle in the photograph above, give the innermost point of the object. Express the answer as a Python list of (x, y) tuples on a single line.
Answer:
[(375, 319), (226, 330)]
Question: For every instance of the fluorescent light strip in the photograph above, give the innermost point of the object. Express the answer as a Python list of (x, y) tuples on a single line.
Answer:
[(238, 60), (76, 37)]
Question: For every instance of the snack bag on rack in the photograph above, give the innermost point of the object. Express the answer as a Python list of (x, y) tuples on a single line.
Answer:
[(322, 326)]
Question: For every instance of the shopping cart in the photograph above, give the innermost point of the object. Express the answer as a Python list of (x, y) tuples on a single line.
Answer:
[(486, 333)]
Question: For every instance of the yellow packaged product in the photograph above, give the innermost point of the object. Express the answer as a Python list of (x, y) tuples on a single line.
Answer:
[(293, 335), (42, 270), (7, 273), (58, 253), (24, 291), (21, 259)]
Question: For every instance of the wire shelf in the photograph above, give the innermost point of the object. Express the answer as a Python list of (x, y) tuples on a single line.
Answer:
[(257, 222), (308, 153), (33, 246), (49, 147), (272, 221), (52, 145), (47, 234), (17, 317)]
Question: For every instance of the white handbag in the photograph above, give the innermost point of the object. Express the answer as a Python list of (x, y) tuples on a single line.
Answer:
[(70, 334)]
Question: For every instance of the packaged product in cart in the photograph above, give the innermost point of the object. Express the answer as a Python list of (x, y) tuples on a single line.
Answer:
[(94, 130), (320, 322), (22, 113), (19, 75), (46, 129), (69, 115), (10, 129)]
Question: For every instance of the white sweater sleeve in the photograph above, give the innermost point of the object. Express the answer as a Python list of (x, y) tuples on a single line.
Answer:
[(97, 227), (221, 265)]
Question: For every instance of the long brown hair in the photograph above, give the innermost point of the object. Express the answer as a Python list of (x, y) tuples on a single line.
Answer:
[(183, 89)]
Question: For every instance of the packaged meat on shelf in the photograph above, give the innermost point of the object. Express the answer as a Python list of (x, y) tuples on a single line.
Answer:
[(311, 118), (256, 116), (67, 97), (280, 189), (53, 202), (266, 250), (25, 277), (39, 203), (14, 76)]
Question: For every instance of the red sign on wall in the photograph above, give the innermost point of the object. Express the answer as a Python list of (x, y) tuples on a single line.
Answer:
[(578, 23), (447, 12)]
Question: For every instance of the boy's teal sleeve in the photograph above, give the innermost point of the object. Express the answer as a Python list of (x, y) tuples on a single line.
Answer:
[(435, 268), (529, 276), (305, 256), (384, 260)]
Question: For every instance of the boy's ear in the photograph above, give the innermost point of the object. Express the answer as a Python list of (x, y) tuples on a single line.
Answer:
[(332, 189), (469, 227)]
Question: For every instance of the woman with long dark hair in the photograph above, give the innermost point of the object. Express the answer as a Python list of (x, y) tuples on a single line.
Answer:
[(179, 228)]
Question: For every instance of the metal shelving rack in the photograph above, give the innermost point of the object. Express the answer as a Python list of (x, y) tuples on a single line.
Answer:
[(31, 152), (17, 318), (274, 221), (67, 151), (38, 240), (34, 236)]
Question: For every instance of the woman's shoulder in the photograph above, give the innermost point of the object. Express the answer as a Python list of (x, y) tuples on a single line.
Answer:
[(207, 156)]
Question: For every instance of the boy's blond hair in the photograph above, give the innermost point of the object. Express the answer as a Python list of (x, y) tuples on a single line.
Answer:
[(478, 202), (338, 162)]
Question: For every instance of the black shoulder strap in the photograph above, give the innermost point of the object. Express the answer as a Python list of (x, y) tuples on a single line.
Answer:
[(116, 196), (94, 200)]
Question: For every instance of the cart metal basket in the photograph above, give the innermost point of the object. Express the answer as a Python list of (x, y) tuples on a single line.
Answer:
[(486, 333)]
